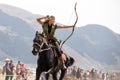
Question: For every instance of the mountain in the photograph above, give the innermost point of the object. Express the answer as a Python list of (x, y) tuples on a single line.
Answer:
[(91, 45), (21, 14), (16, 35), (82, 61), (98, 42)]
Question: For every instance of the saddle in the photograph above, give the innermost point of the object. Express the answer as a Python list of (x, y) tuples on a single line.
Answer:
[(60, 56), (55, 53)]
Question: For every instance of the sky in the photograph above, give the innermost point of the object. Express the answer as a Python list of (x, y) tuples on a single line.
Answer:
[(102, 12)]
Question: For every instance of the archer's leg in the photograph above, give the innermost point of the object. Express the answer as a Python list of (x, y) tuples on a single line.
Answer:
[(59, 52)]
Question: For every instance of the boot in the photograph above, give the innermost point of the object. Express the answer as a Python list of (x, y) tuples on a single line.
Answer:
[(62, 62)]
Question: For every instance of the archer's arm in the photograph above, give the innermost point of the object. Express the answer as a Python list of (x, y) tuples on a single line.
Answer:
[(41, 20), (65, 26)]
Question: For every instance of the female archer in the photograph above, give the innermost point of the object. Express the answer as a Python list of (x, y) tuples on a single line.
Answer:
[(49, 27)]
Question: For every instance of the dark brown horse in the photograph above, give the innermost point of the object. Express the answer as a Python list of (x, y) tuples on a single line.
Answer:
[(47, 61)]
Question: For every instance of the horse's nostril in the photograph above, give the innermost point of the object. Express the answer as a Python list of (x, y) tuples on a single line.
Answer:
[(34, 52)]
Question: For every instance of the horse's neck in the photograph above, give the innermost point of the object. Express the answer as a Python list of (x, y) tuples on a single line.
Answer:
[(46, 55)]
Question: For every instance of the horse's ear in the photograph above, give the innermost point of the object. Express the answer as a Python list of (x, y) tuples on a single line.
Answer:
[(36, 33)]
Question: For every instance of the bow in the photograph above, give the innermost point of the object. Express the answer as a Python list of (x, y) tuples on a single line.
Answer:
[(72, 28)]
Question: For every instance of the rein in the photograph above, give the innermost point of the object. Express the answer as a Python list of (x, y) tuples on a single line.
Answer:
[(40, 49)]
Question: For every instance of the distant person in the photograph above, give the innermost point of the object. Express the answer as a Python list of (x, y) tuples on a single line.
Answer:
[(23, 72), (7, 70), (78, 74), (23, 67), (12, 68), (18, 70), (93, 73), (104, 76), (73, 71)]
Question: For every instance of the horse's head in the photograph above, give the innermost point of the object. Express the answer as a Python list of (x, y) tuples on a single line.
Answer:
[(37, 43)]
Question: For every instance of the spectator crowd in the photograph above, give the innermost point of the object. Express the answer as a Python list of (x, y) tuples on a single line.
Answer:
[(76, 73), (19, 72), (10, 70)]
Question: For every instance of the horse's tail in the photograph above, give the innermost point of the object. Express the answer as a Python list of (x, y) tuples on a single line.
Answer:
[(70, 61)]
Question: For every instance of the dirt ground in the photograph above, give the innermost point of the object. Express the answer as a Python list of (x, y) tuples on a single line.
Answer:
[(31, 77)]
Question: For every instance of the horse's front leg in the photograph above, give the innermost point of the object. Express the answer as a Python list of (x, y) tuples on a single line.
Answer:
[(38, 73), (47, 76), (38, 70), (63, 72), (54, 75)]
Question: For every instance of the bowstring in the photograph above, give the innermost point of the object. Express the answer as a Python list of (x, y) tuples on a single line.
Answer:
[(72, 28)]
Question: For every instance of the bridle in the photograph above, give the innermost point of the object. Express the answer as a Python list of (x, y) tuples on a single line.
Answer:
[(41, 45)]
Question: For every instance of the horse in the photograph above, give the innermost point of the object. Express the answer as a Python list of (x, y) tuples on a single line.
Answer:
[(47, 61)]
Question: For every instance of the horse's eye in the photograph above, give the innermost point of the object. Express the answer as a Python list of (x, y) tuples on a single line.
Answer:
[(37, 38)]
